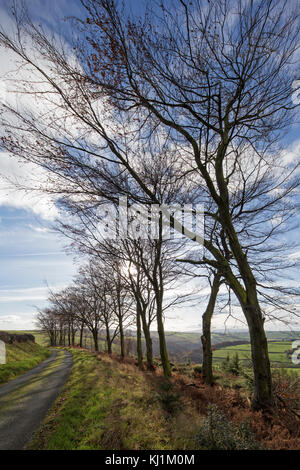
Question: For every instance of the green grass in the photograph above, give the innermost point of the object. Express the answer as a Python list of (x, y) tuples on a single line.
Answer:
[(107, 404), (21, 357), (277, 353), (190, 337), (294, 370)]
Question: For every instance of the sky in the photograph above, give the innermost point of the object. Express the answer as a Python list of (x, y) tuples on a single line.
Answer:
[(32, 255)]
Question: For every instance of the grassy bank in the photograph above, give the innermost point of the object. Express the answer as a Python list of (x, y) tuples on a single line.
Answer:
[(107, 404), (21, 357)]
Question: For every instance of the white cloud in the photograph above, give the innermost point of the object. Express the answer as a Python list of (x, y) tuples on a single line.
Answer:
[(39, 229), (14, 176), (10, 318), (21, 295), (19, 321), (27, 294), (42, 253), (296, 94), (17, 178), (292, 152), (295, 255)]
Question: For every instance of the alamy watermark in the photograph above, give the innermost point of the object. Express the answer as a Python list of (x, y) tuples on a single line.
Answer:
[(296, 93), (3, 92), (2, 352), (296, 352), (151, 221)]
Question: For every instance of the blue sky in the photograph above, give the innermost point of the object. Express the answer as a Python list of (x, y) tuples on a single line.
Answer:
[(31, 254)]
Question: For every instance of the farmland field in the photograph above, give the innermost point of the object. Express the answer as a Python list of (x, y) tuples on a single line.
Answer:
[(278, 353)]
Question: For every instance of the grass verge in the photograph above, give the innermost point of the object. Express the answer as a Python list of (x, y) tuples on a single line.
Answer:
[(107, 404), (111, 405), (21, 357)]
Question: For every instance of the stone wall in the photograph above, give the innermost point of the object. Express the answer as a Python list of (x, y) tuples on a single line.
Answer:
[(10, 338)]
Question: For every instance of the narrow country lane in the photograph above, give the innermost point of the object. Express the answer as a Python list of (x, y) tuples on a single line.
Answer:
[(25, 401)]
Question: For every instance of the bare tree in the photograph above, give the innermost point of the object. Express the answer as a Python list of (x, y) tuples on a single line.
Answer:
[(145, 311), (46, 320), (147, 269)]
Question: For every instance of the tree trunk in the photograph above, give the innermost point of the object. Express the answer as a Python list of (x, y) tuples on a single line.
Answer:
[(69, 335), (95, 337), (142, 307), (162, 339), (139, 349), (81, 336), (148, 341), (207, 372), (52, 339), (60, 338), (73, 336), (122, 342), (263, 396), (158, 284), (247, 295), (108, 340)]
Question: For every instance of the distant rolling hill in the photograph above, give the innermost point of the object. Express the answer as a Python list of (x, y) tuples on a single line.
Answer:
[(183, 346), (186, 346)]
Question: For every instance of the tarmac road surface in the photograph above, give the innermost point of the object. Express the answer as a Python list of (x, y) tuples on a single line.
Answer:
[(25, 401)]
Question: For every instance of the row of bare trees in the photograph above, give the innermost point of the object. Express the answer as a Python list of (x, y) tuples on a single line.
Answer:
[(97, 300), (125, 284), (180, 104)]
